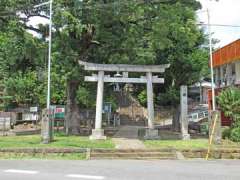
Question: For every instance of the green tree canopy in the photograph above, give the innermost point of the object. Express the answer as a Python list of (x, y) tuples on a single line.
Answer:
[(102, 31)]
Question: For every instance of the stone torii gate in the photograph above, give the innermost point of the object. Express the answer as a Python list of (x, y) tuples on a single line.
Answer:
[(149, 79)]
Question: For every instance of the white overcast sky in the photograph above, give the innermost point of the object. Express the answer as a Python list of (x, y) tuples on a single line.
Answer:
[(222, 12)]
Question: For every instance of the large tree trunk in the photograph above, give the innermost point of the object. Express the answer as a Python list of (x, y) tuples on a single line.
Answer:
[(176, 119), (72, 118)]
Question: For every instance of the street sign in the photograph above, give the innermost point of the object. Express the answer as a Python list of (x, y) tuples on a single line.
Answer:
[(107, 107)]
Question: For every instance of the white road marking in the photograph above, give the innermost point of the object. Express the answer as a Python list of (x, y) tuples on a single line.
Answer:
[(85, 176), (20, 171)]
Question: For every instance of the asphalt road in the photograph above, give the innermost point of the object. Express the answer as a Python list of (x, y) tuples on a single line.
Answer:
[(119, 170)]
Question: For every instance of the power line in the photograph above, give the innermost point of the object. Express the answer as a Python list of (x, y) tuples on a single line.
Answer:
[(217, 25), (220, 25), (125, 2), (201, 11)]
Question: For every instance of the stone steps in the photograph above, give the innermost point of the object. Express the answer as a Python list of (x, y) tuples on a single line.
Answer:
[(131, 150), (126, 120), (142, 154), (130, 111), (133, 158), (132, 123)]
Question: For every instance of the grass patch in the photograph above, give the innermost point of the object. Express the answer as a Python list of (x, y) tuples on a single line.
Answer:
[(190, 144), (229, 144), (177, 144), (52, 156), (60, 141)]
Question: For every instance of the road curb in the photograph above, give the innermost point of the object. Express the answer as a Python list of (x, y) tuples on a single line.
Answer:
[(167, 153)]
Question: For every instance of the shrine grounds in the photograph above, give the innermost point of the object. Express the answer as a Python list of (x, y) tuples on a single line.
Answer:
[(34, 141), (66, 147)]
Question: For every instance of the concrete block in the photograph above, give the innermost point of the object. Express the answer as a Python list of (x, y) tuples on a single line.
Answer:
[(148, 134), (186, 137), (217, 134), (97, 134), (46, 127)]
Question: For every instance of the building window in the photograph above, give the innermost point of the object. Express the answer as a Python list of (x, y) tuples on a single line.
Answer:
[(233, 69)]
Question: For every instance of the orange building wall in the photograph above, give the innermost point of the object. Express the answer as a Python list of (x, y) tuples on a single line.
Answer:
[(227, 54)]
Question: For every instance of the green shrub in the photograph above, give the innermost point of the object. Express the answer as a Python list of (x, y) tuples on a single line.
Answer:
[(85, 97), (236, 123), (142, 98), (235, 134), (229, 102), (170, 97), (25, 88), (226, 133)]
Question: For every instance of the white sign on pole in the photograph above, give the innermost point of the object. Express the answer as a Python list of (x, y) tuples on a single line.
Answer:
[(33, 109)]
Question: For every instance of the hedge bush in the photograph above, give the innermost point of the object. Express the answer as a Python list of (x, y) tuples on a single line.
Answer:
[(226, 133), (235, 134)]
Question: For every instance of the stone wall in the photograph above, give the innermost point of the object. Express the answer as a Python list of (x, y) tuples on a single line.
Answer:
[(222, 153), (6, 119)]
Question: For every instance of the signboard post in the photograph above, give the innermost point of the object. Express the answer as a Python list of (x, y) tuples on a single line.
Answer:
[(184, 113), (107, 109)]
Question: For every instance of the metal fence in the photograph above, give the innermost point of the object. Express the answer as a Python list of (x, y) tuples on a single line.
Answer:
[(197, 116)]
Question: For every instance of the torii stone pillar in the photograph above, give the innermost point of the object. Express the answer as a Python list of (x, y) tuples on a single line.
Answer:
[(98, 132), (150, 105)]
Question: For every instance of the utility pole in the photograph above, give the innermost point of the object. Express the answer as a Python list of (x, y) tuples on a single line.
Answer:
[(47, 125), (211, 61), (49, 57)]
